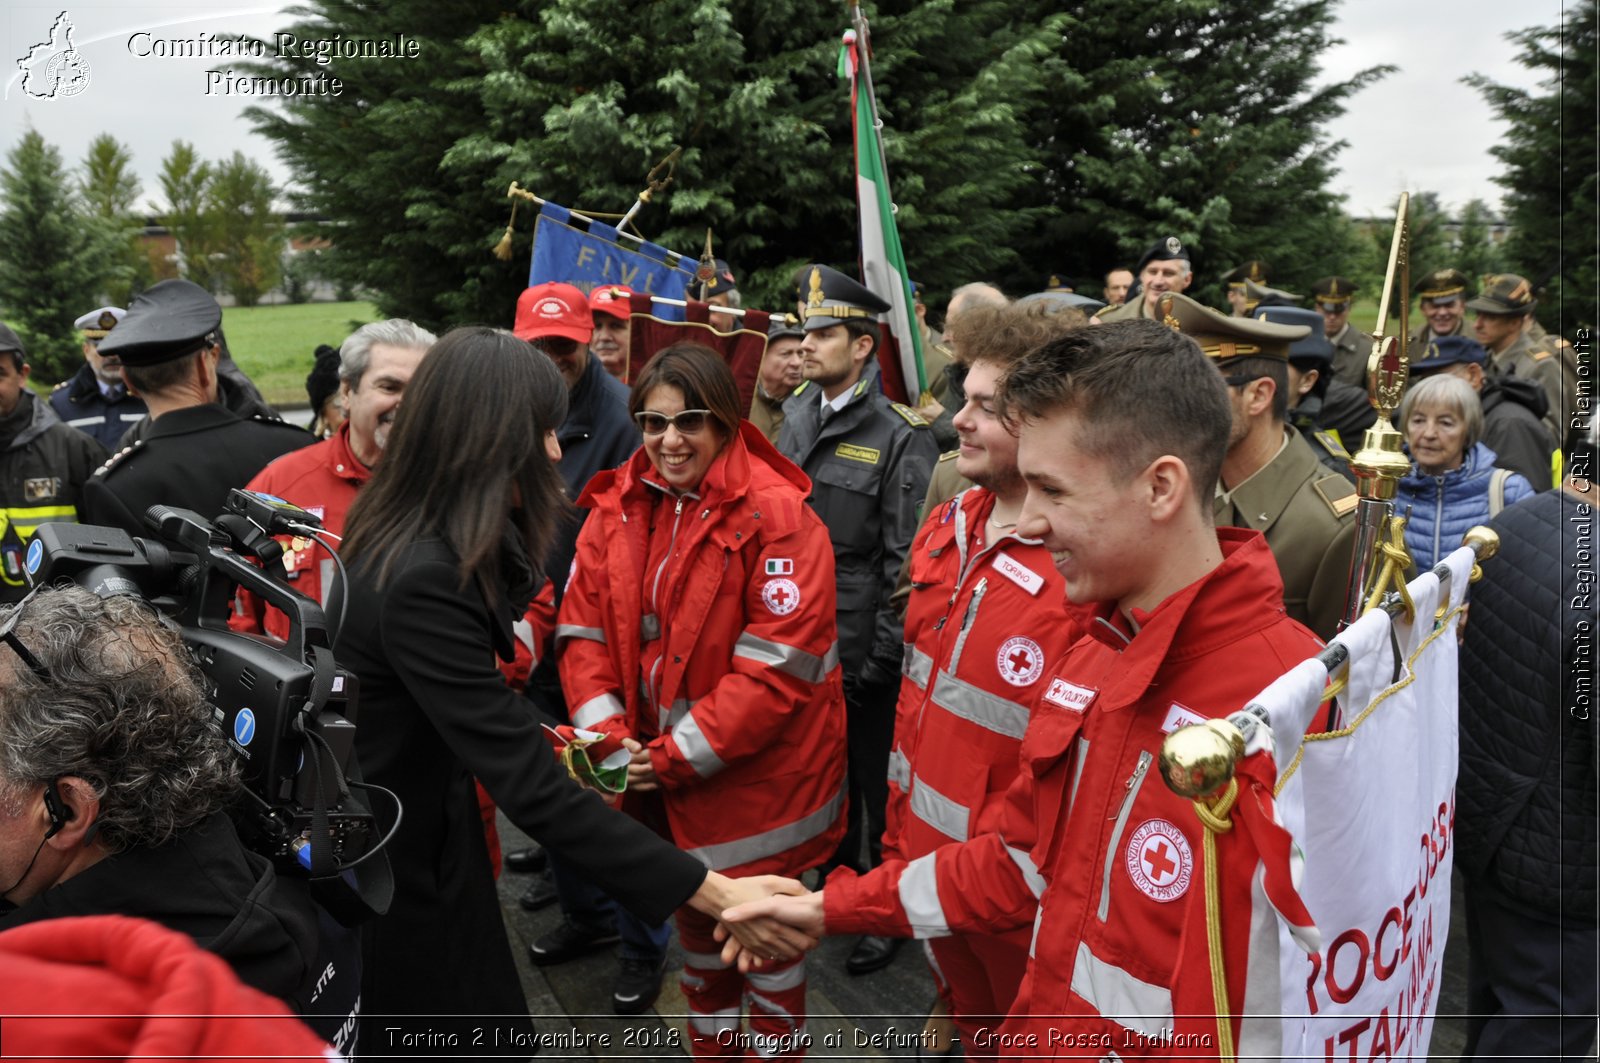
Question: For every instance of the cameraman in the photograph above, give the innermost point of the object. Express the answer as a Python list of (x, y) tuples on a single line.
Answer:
[(113, 788)]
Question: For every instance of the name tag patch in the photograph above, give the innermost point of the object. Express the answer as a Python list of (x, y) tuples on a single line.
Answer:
[(851, 452), (1070, 696), (1018, 573), (1180, 716), (42, 489)]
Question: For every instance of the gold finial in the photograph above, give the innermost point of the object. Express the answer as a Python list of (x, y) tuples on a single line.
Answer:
[(1198, 760)]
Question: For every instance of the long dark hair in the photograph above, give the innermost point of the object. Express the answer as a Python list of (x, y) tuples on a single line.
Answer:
[(467, 442)]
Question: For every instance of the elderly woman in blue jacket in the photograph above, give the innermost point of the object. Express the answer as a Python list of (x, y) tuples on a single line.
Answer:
[(1453, 483)]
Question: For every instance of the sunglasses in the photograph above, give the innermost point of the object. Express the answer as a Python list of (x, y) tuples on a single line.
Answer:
[(8, 635), (687, 422)]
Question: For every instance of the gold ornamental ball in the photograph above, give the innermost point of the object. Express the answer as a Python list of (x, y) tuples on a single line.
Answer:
[(1198, 760)]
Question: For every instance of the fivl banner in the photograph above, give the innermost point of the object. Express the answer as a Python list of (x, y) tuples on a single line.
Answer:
[(578, 250), (1372, 805)]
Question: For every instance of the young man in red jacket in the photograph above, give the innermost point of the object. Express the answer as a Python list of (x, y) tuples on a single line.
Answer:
[(1122, 433), (986, 614)]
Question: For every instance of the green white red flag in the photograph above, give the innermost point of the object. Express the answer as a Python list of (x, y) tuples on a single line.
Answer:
[(883, 262)]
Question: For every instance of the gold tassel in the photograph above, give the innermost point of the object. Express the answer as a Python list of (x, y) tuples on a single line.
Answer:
[(502, 250)]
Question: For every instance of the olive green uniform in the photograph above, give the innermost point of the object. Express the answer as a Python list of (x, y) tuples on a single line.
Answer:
[(1307, 514), (1556, 374), (766, 414), (1351, 350)]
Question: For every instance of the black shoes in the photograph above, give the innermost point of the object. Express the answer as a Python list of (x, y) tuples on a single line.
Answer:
[(541, 893), (570, 940), (524, 860), (872, 953), (637, 986)]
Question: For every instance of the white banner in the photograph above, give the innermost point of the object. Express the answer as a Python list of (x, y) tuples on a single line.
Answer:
[(1372, 804)]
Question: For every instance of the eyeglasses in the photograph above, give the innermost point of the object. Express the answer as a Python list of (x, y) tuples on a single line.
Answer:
[(8, 635), (687, 422)]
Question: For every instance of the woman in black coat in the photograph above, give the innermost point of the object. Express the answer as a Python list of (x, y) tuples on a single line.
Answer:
[(437, 545)]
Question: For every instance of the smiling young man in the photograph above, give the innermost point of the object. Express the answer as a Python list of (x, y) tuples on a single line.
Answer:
[(1122, 433), (375, 364), (869, 460)]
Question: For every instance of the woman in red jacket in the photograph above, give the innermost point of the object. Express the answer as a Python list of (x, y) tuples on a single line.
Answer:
[(700, 622)]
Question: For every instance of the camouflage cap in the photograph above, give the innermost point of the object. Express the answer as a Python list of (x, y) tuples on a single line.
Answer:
[(1504, 293)]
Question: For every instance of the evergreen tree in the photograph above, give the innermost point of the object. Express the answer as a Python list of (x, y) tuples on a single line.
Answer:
[(578, 99), (50, 266), (1551, 162), (249, 236), (1200, 120), (1477, 255), (110, 191), (184, 181)]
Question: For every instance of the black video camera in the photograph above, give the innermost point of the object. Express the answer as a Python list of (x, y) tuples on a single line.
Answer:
[(285, 708)]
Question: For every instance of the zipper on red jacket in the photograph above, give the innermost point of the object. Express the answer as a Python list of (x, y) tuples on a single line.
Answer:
[(655, 589), (966, 623), (1135, 781)]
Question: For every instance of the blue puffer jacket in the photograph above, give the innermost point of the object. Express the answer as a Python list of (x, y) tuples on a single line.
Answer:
[(1442, 508)]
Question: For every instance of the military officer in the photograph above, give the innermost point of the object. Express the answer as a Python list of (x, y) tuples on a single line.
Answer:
[(196, 449), (1351, 347), (1164, 268), (779, 375), (1442, 298), (1271, 479), (1329, 413), (94, 400), (1236, 279), (1501, 314), (869, 460)]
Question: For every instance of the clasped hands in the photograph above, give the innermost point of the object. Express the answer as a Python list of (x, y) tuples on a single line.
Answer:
[(762, 919)]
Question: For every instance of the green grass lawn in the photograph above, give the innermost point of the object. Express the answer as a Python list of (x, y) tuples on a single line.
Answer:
[(276, 344)]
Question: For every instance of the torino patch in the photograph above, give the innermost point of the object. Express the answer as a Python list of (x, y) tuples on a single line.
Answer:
[(1159, 860), (782, 596), (1020, 661)]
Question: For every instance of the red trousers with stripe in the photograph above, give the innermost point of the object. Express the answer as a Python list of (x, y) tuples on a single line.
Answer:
[(775, 996), (977, 977)]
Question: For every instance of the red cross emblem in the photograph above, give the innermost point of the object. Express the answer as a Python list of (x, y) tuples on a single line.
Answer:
[(1158, 860), (1020, 661), (781, 596)]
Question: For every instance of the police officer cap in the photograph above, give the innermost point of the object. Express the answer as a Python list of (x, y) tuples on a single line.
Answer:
[(1254, 270), (721, 280), (164, 322), (1504, 293), (9, 341), (1312, 349), (1165, 250), (1225, 338), (1260, 295), (1450, 350), (1059, 282), (1333, 290), (783, 325), (1441, 284), (833, 298), (96, 323)]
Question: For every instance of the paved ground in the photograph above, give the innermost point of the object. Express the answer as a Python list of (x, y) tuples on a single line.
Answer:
[(576, 997)]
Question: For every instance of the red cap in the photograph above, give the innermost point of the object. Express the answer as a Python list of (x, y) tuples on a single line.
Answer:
[(611, 299), (553, 309)]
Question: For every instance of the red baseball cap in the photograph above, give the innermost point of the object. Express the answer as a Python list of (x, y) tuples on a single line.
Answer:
[(553, 309), (611, 299)]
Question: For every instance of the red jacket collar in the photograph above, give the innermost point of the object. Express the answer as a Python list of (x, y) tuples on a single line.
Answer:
[(1236, 599), (342, 461)]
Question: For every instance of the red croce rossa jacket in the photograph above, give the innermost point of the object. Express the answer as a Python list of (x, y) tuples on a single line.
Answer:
[(714, 644), (1092, 847)]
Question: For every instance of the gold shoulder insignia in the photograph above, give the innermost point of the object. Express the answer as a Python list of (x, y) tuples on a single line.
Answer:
[(1331, 441), (59, 386), (912, 417), (950, 455), (1540, 356), (803, 385), (1338, 494)]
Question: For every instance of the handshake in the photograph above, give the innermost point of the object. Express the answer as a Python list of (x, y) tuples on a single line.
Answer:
[(762, 919)]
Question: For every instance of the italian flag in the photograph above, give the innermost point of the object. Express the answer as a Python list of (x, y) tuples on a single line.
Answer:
[(883, 262)]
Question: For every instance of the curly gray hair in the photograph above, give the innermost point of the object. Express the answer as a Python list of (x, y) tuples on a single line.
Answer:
[(123, 709)]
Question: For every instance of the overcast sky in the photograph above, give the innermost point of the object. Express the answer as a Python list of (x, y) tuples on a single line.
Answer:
[(1418, 129)]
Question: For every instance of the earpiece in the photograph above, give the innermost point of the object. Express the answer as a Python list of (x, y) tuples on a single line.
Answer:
[(60, 814)]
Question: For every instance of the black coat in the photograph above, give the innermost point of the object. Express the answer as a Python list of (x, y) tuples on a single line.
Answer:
[(435, 712), (1526, 792), (80, 403), (190, 459), (1514, 427)]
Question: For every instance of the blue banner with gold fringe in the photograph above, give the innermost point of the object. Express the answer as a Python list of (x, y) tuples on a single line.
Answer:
[(582, 251)]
